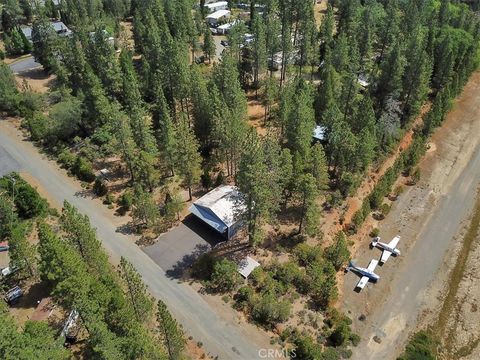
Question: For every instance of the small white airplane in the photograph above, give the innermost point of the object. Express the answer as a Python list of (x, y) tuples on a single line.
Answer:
[(388, 249), (366, 273)]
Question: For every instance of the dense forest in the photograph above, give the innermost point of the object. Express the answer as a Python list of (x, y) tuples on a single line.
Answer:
[(115, 307), (364, 73)]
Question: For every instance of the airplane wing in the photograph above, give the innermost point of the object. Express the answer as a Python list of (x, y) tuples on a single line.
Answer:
[(373, 264), (385, 255), (363, 281), (394, 242)]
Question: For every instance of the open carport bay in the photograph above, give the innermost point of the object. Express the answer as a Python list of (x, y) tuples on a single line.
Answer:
[(177, 249)]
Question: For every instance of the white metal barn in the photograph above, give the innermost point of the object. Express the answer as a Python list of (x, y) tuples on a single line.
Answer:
[(222, 209), (217, 17), (215, 6)]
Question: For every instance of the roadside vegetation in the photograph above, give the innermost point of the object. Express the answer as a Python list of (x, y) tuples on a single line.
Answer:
[(61, 254), (167, 127), (422, 345)]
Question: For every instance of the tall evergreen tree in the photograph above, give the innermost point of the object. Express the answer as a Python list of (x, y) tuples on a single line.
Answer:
[(309, 209), (188, 160), (172, 335), (136, 291)]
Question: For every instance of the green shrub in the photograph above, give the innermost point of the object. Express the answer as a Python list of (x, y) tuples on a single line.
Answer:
[(375, 232), (83, 170), (203, 266), (385, 209), (126, 200), (225, 276), (306, 348), (307, 254), (31, 102), (355, 339), (39, 126), (2, 55), (269, 310), (28, 202), (289, 273), (66, 159), (99, 187), (422, 345), (109, 200), (243, 295), (338, 253)]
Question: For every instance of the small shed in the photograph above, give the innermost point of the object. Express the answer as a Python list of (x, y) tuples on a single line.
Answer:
[(222, 209), (246, 266), (218, 17)]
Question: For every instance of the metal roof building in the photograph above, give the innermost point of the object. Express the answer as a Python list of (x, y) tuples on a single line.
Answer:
[(218, 16), (215, 6), (59, 27), (222, 209)]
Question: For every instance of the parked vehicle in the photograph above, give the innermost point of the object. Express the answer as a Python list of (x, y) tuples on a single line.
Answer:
[(13, 295), (4, 246), (8, 271)]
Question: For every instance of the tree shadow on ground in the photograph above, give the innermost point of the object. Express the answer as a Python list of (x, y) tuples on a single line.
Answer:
[(130, 228), (178, 270)]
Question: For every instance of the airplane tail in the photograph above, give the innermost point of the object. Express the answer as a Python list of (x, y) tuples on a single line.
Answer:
[(375, 241)]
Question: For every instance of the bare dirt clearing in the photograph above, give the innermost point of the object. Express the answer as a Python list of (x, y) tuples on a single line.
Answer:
[(428, 217)]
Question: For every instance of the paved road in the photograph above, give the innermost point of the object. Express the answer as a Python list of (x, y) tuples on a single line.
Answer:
[(23, 65), (219, 336), (177, 249)]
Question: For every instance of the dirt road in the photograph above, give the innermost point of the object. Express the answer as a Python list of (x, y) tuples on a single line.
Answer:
[(429, 217)]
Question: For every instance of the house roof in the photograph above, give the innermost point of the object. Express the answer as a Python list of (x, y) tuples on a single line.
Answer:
[(246, 266), (220, 208), (218, 14), (216, 3), (58, 26)]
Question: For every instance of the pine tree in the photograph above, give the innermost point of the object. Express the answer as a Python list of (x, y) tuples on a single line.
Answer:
[(226, 78), (22, 254), (188, 160), (325, 35), (171, 334), (258, 180), (270, 96), (309, 213), (103, 60), (300, 119), (125, 145), (145, 211), (202, 111), (45, 43), (131, 95), (83, 238), (417, 75), (208, 45), (338, 253), (318, 166), (259, 49), (390, 82), (136, 291), (166, 132)]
